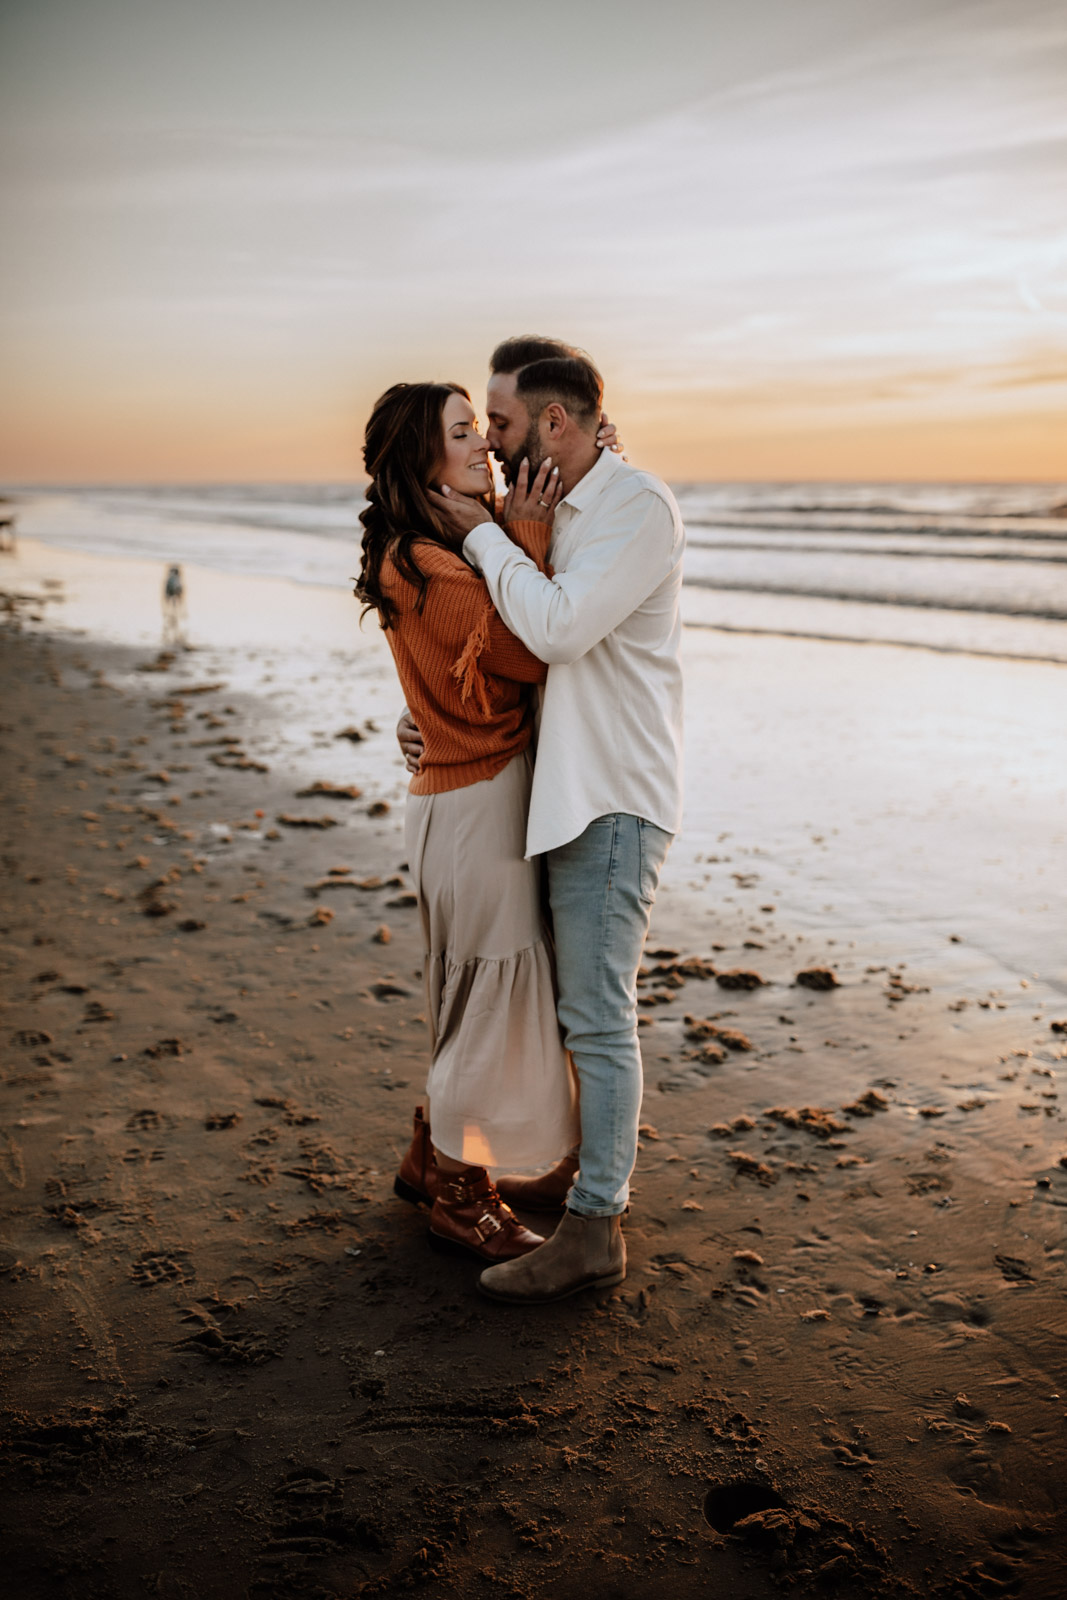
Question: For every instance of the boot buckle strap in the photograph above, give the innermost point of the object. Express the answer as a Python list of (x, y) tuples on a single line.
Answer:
[(487, 1225)]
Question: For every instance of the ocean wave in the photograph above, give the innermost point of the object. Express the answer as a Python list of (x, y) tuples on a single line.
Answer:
[(983, 607), (1004, 550), (972, 528), (956, 552)]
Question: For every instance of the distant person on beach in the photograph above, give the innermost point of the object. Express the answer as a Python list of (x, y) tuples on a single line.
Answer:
[(7, 534), (173, 606), (501, 1088), (606, 795)]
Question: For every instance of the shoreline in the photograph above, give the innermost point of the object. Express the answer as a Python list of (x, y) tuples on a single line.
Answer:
[(891, 752), (1014, 620), (234, 1366)]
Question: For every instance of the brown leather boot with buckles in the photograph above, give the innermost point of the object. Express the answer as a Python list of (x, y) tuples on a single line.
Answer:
[(469, 1216), (417, 1179)]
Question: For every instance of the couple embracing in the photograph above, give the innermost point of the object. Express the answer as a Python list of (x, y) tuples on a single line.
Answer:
[(539, 657)]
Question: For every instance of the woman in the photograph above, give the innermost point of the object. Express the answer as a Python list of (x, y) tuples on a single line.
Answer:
[(501, 1089)]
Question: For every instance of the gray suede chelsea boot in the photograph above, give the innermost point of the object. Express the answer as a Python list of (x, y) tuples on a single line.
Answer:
[(583, 1253)]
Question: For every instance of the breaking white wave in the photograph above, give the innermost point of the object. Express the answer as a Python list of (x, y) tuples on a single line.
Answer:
[(785, 557)]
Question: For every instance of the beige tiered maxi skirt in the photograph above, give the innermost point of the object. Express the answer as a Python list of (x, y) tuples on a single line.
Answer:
[(502, 1089)]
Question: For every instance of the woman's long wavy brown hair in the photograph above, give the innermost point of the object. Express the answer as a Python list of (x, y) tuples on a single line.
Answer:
[(402, 452)]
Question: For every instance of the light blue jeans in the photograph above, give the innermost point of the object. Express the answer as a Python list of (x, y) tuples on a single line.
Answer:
[(601, 887)]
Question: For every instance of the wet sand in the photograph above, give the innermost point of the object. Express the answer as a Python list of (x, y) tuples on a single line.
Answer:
[(233, 1366)]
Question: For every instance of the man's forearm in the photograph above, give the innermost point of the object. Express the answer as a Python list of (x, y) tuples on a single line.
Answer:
[(560, 618)]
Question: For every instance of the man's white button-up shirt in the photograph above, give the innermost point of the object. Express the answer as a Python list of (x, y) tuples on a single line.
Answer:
[(607, 623)]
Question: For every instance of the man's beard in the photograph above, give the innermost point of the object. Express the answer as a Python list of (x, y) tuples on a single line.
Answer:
[(530, 450)]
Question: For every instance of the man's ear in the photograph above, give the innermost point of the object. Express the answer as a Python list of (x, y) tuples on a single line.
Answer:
[(556, 417)]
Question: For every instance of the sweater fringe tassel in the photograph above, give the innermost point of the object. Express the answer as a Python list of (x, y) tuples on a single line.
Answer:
[(466, 670)]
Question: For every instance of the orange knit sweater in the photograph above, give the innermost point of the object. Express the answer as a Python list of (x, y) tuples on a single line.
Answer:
[(465, 676)]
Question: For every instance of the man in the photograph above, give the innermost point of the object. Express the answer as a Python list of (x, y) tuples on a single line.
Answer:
[(607, 783)]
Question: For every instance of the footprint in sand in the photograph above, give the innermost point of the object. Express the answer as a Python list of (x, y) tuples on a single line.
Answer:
[(31, 1038), (12, 1166), (153, 1267), (219, 1337), (143, 1121)]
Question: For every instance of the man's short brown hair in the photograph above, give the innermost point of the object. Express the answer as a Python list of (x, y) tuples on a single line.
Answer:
[(570, 381), (512, 354)]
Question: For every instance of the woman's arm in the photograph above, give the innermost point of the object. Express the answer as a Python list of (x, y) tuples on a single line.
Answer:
[(622, 559)]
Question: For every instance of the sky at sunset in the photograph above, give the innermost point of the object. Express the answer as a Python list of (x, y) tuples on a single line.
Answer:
[(802, 238)]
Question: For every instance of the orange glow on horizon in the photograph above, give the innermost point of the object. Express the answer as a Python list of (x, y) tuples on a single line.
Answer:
[(672, 435)]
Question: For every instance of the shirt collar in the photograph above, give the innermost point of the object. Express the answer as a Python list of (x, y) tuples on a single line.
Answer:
[(596, 479)]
